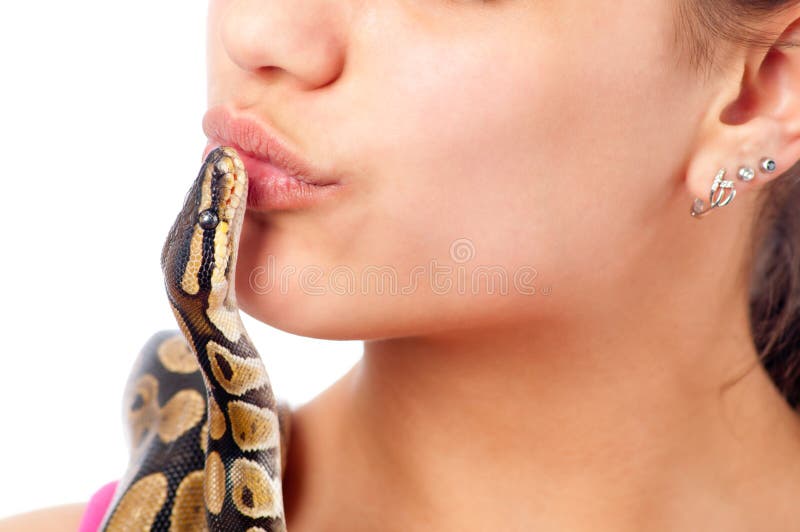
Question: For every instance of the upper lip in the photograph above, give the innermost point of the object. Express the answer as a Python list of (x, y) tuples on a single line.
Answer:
[(254, 138)]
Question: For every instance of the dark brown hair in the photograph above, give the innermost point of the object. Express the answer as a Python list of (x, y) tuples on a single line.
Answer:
[(775, 276), (703, 24)]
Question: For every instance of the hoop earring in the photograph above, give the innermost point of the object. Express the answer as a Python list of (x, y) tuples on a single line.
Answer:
[(721, 188)]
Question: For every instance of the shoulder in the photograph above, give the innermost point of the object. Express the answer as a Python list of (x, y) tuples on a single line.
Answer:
[(57, 518)]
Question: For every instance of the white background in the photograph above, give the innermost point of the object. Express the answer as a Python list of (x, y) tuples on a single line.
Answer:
[(101, 136)]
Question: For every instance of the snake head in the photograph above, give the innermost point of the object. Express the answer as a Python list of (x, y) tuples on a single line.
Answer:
[(199, 255)]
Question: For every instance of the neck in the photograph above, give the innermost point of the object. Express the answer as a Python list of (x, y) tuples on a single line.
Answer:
[(595, 412), (626, 409)]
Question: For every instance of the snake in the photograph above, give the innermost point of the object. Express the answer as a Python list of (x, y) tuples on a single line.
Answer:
[(208, 438)]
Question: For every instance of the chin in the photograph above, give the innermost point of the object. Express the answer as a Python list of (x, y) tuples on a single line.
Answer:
[(301, 314), (332, 317)]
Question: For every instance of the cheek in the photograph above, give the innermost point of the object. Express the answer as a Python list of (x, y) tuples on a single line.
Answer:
[(517, 147)]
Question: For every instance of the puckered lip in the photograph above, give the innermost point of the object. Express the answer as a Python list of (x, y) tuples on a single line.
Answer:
[(253, 137)]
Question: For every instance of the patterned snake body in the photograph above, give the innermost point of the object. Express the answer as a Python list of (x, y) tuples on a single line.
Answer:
[(208, 437)]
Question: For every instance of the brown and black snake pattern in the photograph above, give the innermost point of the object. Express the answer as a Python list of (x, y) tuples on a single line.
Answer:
[(208, 437)]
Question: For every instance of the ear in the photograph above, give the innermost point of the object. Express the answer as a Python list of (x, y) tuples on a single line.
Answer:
[(755, 115)]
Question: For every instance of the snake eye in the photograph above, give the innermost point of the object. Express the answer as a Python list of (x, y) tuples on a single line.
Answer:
[(208, 219)]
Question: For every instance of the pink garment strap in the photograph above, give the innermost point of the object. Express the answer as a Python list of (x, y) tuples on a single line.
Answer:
[(96, 509)]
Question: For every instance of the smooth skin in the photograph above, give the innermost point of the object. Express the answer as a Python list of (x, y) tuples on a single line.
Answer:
[(563, 139), (56, 519)]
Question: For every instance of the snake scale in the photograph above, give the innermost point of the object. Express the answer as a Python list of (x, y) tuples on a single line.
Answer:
[(208, 437)]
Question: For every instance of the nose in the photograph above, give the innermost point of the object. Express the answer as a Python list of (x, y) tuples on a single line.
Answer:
[(305, 38)]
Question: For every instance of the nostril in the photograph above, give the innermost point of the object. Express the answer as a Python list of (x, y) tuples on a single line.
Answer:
[(247, 33), (278, 40)]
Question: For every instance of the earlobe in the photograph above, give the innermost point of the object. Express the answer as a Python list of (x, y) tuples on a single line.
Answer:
[(729, 162), (723, 188), (722, 192)]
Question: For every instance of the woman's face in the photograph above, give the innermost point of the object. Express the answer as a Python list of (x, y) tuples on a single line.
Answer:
[(499, 160)]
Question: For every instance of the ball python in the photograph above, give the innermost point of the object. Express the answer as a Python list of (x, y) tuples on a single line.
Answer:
[(208, 438)]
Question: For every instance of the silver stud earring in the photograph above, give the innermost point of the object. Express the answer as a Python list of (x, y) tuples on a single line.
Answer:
[(746, 173), (768, 165), (721, 188)]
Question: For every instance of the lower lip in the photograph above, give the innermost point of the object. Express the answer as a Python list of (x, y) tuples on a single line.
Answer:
[(271, 189)]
